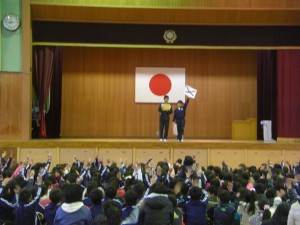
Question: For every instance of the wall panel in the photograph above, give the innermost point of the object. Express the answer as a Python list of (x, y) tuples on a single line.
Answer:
[(232, 157), (66, 155), (39, 155), (10, 105), (98, 91), (256, 157), (115, 155), (143, 155)]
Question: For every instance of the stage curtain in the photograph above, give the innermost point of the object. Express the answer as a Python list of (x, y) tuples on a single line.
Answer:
[(53, 117), (289, 93), (266, 90), (41, 77)]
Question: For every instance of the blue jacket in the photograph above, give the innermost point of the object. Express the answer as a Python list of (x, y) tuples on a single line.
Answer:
[(97, 210), (49, 213), (195, 211), (179, 113), (26, 213), (73, 213)]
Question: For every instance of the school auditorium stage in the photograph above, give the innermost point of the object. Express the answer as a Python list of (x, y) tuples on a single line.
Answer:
[(207, 152)]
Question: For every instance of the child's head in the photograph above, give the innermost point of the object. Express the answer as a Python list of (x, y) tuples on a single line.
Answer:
[(195, 193), (223, 196), (166, 98), (213, 190), (55, 195), (96, 196), (111, 192), (131, 198), (180, 103), (72, 193), (25, 196)]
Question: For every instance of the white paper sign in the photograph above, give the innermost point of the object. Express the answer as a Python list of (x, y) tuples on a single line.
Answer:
[(190, 92)]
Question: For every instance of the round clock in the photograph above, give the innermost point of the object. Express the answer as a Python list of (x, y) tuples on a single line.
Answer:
[(11, 22)]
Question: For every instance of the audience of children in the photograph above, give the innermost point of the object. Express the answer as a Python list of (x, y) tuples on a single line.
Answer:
[(95, 193)]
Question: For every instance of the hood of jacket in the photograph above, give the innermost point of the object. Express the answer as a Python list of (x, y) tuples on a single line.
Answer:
[(157, 201)]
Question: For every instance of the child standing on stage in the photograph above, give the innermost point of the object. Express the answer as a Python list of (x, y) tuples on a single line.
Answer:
[(179, 118), (165, 110)]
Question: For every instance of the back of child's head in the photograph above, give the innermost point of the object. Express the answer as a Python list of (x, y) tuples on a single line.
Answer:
[(271, 193), (55, 195), (131, 198), (139, 188), (91, 186), (96, 196), (195, 193), (159, 188), (213, 190), (71, 178), (72, 193), (172, 198), (110, 191), (25, 196), (224, 196), (113, 215)]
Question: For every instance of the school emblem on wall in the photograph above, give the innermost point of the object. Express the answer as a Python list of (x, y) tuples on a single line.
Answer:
[(170, 36)]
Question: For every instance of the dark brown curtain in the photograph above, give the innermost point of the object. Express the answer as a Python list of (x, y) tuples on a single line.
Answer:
[(289, 93), (266, 90), (53, 117), (41, 77)]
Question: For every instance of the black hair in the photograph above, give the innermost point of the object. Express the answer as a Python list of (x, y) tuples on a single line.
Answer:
[(251, 197), (140, 189), (91, 186), (55, 195), (72, 177), (195, 193), (131, 198), (188, 161), (180, 102), (8, 192), (213, 190), (113, 215), (25, 196), (271, 193), (111, 191), (266, 214), (224, 196), (159, 188), (72, 193), (259, 188), (243, 192), (166, 96), (96, 196), (281, 213)]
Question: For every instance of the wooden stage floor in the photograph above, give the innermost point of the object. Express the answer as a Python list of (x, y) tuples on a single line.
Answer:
[(148, 143)]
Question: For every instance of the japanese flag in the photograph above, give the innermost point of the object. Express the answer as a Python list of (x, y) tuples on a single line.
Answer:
[(153, 83)]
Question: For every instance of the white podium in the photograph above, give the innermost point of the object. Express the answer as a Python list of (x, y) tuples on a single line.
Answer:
[(267, 128)]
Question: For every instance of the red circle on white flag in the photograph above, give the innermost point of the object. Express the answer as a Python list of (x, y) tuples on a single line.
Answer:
[(160, 84)]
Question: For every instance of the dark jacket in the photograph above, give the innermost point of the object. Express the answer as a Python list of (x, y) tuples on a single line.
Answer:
[(179, 113), (49, 213), (195, 211), (224, 214), (157, 210), (26, 213), (164, 115)]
